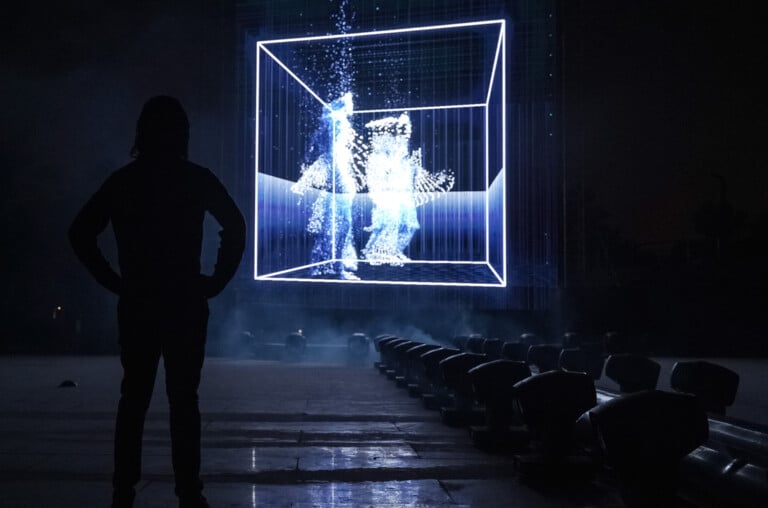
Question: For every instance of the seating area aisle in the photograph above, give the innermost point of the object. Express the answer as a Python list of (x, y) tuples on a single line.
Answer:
[(274, 434)]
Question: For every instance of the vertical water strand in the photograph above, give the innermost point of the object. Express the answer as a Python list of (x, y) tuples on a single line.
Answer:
[(266, 115), (446, 158), (341, 74), (455, 142), (447, 211), (288, 208), (486, 170), (309, 126), (285, 114), (443, 219)]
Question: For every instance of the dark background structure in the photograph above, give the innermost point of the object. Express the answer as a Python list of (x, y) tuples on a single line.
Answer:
[(657, 191)]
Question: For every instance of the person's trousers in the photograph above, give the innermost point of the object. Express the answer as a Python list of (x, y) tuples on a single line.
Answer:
[(176, 331)]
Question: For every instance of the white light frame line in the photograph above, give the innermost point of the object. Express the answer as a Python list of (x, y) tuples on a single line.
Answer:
[(502, 37), (486, 197), (274, 276), (258, 169), (500, 51), (421, 108), (425, 261), (295, 268), (413, 261), (293, 75), (383, 32), (259, 48), (495, 64), (500, 54), (383, 282), (502, 281)]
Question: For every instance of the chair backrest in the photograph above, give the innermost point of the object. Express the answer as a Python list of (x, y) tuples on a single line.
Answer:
[(551, 402), (431, 361), (474, 344), (455, 370), (387, 344), (582, 359), (492, 348), (643, 436), (632, 372), (649, 428), (414, 353), (494, 381), (713, 384), (544, 356), (399, 352), (381, 338), (516, 351), (460, 342), (413, 363), (555, 394)]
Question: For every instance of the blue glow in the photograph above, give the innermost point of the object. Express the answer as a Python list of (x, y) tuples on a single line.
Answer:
[(333, 172), (397, 183)]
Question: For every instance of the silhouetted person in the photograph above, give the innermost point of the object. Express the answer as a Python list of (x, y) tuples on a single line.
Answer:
[(156, 205)]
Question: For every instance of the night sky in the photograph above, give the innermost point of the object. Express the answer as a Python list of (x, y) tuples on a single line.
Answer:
[(657, 97)]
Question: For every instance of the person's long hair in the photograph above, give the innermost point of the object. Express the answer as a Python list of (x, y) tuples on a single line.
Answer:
[(162, 129)]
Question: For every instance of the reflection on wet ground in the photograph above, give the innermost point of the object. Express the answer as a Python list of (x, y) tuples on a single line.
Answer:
[(274, 434)]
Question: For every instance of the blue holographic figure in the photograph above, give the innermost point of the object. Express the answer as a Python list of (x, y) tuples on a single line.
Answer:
[(390, 176), (397, 185), (333, 172)]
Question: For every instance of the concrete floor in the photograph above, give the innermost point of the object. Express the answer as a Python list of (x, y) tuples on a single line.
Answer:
[(274, 434)]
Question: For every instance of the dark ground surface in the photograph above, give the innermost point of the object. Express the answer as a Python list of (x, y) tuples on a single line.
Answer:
[(274, 434)]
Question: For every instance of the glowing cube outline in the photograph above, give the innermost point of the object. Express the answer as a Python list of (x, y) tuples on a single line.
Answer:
[(500, 56)]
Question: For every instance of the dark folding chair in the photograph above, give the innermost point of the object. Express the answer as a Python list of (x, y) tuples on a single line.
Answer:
[(713, 384), (492, 348), (515, 351), (545, 357), (475, 344), (632, 372), (434, 393), (414, 367), (549, 404), (494, 387), (643, 436), (455, 370), (582, 359)]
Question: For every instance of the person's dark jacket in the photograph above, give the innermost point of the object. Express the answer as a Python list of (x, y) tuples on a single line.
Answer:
[(156, 206)]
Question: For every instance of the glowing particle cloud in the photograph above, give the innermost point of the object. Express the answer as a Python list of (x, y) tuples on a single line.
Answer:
[(333, 172), (397, 183), (391, 168)]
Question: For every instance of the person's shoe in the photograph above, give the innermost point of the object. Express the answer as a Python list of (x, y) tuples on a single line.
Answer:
[(195, 501)]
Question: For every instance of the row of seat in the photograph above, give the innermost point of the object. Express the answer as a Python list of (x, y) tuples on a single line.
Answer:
[(548, 415), (714, 385)]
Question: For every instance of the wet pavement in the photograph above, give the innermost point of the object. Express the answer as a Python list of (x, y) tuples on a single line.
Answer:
[(274, 434)]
